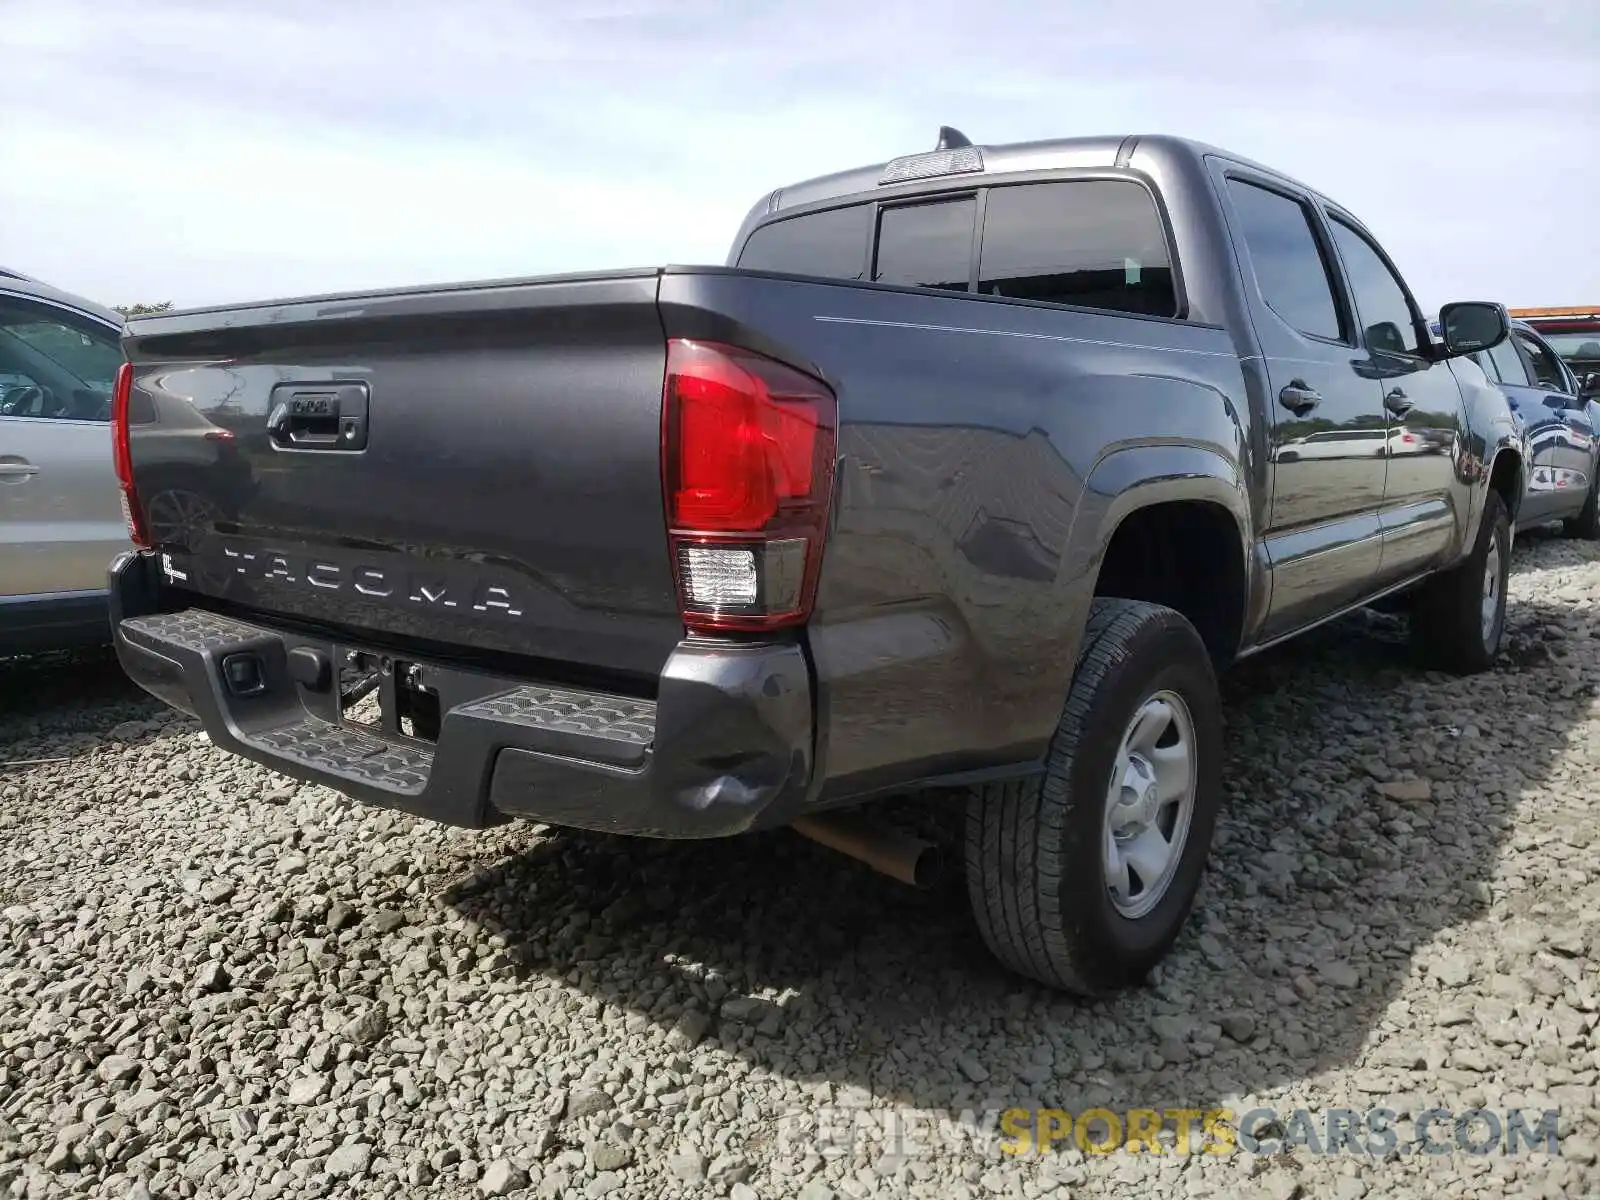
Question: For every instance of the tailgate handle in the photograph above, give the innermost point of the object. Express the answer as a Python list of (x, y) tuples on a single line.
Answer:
[(318, 417)]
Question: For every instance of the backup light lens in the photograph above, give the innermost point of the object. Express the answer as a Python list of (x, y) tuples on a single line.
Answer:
[(718, 577)]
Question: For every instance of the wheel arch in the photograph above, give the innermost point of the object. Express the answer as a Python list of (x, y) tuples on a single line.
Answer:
[(1173, 530), (1505, 472)]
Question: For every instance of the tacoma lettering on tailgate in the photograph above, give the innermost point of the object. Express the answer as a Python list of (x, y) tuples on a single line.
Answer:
[(379, 583)]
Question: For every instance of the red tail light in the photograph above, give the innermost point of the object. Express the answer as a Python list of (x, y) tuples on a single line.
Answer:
[(122, 456), (747, 462)]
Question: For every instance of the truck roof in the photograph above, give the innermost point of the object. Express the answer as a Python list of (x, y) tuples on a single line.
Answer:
[(1104, 150)]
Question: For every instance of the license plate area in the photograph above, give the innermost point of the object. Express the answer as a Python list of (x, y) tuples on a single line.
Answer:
[(386, 695)]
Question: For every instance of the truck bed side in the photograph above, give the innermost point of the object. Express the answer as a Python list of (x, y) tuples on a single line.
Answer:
[(987, 450)]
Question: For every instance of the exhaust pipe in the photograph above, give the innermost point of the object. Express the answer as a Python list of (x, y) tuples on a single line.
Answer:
[(887, 851)]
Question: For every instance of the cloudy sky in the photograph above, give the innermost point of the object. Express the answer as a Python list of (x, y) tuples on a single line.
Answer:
[(213, 150)]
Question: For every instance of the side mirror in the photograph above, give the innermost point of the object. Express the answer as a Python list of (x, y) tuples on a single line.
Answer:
[(1468, 326), (1590, 387)]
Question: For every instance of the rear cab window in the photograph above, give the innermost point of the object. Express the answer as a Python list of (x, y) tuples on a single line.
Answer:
[(1092, 243), (926, 245), (831, 244)]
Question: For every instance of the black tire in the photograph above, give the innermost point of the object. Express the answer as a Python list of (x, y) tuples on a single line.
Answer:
[(1586, 524), (1034, 849), (1447, 622)]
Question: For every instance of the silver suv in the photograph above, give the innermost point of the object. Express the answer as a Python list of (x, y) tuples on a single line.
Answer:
[(61, 519)]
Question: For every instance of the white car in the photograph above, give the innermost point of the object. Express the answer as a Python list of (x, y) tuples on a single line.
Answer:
[(61, 519)]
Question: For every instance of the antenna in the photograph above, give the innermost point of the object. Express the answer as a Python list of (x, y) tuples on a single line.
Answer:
[(951, 138)]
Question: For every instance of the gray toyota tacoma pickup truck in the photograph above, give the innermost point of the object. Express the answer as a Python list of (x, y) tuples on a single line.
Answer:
[(970, 469)]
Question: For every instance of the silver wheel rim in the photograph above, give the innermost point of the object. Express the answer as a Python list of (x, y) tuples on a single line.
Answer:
[(1149, 804), (1490, 611)]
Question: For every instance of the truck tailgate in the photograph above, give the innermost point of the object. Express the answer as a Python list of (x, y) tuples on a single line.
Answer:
[(476, 468)]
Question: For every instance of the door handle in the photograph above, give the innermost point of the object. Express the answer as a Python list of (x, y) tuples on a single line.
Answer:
[(1396, 402), (1299, 398), (17, 471), (332, 417)]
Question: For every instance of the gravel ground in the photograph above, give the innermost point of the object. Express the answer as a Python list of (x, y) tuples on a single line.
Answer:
[(215, 982)]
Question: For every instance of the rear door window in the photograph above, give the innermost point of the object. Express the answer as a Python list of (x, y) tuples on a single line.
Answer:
[(1097, 243), (926, 245), (831, 244), (1291, 272)]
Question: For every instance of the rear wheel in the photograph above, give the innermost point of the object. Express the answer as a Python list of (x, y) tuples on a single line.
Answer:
[(1586, 524), (1460, 615), (1084, 878)]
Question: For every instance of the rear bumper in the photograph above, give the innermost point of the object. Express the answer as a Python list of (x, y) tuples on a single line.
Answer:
[(726, 745)]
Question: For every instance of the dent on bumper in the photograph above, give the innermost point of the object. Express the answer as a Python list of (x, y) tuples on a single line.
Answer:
[(725, 746), (732, 749)]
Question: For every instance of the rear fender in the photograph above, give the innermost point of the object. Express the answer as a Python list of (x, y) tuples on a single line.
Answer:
[(1135, 477)]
